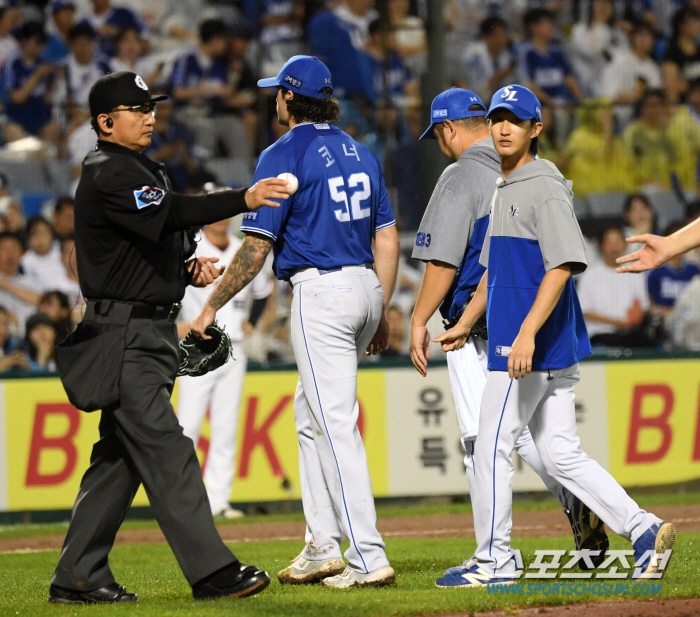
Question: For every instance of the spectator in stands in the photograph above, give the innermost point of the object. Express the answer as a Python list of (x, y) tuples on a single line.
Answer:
[(19, 292), (633, 12), (681, 63), (548, 71), (28, 82), (593, 41), (63, 218), (612, 303), (685, 320), (200, 86), (630, 73), (390, 76), (667, 282), (14, 219), (11, 354), (68, 283), (82, 69), (592, 158), (40, 343), (684, 133), (56, 305), (242, 101), (358, 14), (8, 43), (337, 43), (108, 21), (397, 333), (646, 143), (281, 35), (63, 16), (410, 36), (81, 140), (639, 217), (489, 63), (43, 259), (172, 144), (129, 49)]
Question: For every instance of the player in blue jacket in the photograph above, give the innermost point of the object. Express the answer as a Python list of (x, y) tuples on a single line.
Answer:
[(537, 336), (323, 239)]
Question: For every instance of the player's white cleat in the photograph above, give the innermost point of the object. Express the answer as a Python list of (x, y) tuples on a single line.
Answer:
[(229, 513), (303, 571), (349, 578)]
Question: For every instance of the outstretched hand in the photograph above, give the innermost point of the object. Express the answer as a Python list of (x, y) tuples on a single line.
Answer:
[(655, 252), (264, 191), (204, 272), (454, 339)]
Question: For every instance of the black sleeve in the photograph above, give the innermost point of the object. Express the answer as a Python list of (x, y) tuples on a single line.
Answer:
[(196, 210)]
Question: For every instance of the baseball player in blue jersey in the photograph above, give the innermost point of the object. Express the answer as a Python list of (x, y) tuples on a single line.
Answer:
[(537, 336), (336, 242), (449, 240)]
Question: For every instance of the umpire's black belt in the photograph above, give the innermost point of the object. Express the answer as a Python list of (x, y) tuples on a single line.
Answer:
[(139, 310)]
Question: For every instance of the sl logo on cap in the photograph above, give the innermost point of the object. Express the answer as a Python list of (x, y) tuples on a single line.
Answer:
[(439, 113), (293, 81), (141, 83), (148, 196)]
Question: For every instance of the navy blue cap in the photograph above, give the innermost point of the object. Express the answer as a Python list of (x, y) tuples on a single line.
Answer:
[(518, 99), (59, 5), (306, 75), (452, 104)]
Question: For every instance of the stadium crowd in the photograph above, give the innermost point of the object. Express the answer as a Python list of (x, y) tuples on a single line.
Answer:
[(619, 82)]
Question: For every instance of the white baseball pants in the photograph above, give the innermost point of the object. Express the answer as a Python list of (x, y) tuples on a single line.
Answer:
[(334, 317), (468, 371), (544, 402), (220, 392)]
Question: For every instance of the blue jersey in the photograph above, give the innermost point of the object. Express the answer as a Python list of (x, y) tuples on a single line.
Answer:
[(35, 112), (56, 49), (549, 70), (389, 77), (119, 18), (188, 72), (341, 201), (533, 230), (667, 282)]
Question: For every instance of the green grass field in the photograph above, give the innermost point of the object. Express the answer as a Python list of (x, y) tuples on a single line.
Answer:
[(152, 572)]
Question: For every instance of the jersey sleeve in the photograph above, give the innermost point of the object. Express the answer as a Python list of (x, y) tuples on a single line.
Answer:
[(132, 202), (559, 236), (385, 215), (446, 227), (268, 221), (484, 257)]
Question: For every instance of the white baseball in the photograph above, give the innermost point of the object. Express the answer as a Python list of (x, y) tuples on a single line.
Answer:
[(291, 180)]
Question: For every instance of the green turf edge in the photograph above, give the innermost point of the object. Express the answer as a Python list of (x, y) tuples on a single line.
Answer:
[(151, 571)]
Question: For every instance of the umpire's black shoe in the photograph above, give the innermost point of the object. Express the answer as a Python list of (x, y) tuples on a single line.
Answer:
[(109, 594), (233, 581)]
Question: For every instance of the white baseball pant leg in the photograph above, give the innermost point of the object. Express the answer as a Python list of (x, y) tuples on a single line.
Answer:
[(219, 391), (547, 405), (334, 317), (468, 368)]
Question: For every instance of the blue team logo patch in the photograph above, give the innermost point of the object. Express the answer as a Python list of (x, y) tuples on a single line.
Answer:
[(148, 196), (439, 113), (292, 81)]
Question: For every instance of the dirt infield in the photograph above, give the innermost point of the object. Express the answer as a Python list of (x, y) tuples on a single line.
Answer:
[(653, 608), (547, 523)]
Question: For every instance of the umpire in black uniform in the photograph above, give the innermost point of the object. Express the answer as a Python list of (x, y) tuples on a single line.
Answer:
[(134, 244)]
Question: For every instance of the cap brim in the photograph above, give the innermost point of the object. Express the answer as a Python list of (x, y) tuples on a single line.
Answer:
[(270, 82), (159, 97), (429, 133), (516, 109)]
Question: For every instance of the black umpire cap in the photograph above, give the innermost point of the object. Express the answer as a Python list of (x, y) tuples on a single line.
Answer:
[(120, 88)]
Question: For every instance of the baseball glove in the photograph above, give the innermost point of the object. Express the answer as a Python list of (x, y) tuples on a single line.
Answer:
[(198, 357)]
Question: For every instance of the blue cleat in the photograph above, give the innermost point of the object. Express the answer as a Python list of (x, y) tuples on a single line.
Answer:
[(650, 547), (457, 570), (475, 576)]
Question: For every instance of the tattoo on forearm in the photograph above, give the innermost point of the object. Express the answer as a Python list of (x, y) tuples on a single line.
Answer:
[(244, 267)]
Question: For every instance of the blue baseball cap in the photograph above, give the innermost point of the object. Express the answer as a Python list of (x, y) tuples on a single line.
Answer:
[(453, 104), (518, 99), (59, 5), (306, 75)]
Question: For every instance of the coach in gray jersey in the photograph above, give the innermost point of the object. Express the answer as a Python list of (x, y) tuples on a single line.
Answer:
[(449, 240)]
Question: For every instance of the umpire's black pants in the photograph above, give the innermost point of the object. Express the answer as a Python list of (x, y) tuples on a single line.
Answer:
[(142, 442)]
